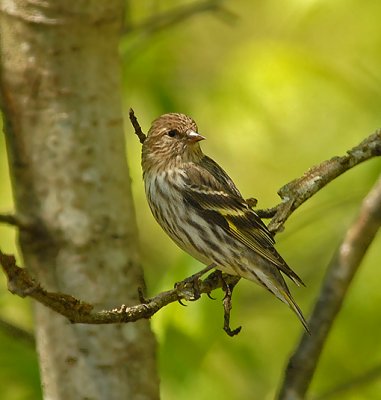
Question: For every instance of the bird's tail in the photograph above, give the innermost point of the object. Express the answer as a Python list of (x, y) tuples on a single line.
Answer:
[(273, 281), (286, 297)]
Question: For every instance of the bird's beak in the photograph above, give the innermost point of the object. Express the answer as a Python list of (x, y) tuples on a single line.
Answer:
[(194, 137)]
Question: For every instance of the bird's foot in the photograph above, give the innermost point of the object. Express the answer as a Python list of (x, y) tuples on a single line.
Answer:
[(189, 288)]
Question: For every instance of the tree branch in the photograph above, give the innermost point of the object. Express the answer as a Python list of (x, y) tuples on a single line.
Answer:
[(11, 219), (138, 130), (296, 192), (178, 15), (16, 332), (22, 284), (341, 270), (354, 384), (21, 223)]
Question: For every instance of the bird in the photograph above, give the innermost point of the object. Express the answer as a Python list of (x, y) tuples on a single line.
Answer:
[(200, 208)]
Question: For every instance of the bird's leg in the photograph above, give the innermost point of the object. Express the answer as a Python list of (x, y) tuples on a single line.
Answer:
[(194, 281), (227, 302)]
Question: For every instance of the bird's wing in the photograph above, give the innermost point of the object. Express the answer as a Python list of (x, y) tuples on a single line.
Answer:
[(222, 179), (215, 196)]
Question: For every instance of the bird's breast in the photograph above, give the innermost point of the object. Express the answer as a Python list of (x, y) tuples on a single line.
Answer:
[(164, 196)]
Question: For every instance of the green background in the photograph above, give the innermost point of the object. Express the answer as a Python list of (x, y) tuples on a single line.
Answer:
[(276, 87)]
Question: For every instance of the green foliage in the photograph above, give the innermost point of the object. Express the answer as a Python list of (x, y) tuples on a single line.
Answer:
[(281, 88), (19, 374)]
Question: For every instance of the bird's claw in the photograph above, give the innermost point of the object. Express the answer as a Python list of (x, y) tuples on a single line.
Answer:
[(210, 296), (193, 283), (189, 288), (233, 332), (181, 303)]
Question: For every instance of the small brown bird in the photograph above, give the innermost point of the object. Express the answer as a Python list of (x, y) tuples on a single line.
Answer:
[(200, 208)]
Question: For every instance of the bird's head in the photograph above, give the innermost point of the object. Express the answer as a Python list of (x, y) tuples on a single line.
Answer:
[(172, 139)]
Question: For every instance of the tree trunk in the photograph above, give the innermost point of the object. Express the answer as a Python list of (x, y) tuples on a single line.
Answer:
[(61, 98)]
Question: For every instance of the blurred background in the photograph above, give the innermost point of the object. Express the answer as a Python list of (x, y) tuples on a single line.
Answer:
[(276, 87)]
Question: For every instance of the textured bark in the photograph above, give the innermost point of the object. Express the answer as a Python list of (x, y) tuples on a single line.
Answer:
[(60, 94)]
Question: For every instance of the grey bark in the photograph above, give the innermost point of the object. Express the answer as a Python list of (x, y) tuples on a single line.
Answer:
[(60, 86)]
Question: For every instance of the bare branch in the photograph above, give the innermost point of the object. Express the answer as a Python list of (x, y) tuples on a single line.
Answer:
[(11, 219), (138, 130), (342, 268), (296, 192), (16, 332), (21, 283), (355, 383), (178, 15), (267, 213), (24, 224)]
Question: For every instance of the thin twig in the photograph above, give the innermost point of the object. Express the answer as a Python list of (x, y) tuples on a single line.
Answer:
[(355, 383), (16, 332), (12, 219), (177, 15), (159, 22), (138, 130), (342, 268), (9, 219), (267, 212)]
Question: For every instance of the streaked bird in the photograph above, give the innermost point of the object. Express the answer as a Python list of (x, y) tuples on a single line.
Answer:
[(201, 209)]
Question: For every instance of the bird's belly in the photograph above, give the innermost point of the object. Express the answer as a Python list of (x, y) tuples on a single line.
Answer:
[(202, 240)]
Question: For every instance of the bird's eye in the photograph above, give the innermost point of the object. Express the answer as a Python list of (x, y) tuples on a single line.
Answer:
[(173, 133)]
